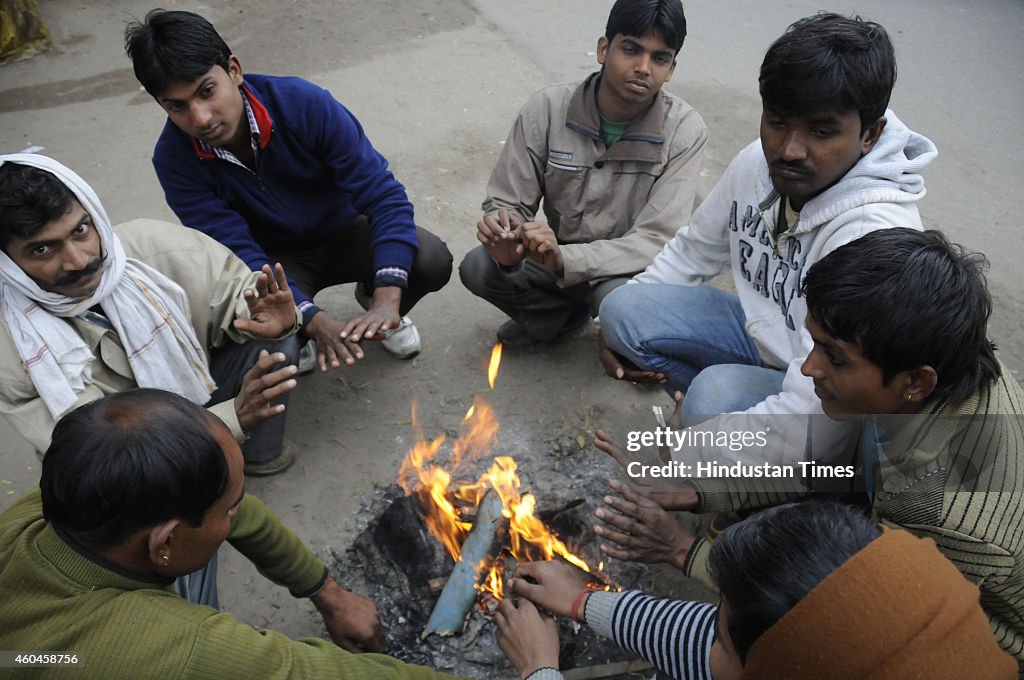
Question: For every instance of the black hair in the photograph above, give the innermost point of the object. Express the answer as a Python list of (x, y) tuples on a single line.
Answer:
[(130, 461), (30, 199), (908, 298), (641, 17), (172, 46), (828, 62), (767, 563)]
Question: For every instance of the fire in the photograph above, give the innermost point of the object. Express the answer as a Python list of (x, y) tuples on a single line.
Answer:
[(449, 495), (492, 367)]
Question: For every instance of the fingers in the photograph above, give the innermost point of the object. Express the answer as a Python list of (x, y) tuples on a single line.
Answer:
[(675, 421), (608, 444), (265, 362), (635, 496), (266, 385), (524, 569), (260, 386), (368, 326), (280, 277), (335, 351), (332, 346), (269, 281), (487, 231), (490, 230), (626, 517), (619, 538), (638, 376), (618, 553), (378, 642), (519, 587), (340, 351)]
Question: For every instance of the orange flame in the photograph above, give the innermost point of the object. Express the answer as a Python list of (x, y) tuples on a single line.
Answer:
[(446, 493), (492, 367)]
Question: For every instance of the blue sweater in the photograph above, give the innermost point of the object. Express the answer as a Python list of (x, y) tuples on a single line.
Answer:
[(316, 172)]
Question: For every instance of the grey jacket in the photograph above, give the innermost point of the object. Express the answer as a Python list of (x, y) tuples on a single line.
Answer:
[(612, 208)]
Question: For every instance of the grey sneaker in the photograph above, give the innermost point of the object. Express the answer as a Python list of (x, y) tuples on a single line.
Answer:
[(404, 341)]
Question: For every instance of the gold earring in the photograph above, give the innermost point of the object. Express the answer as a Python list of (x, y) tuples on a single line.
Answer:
[(166, 559), (909, 396)]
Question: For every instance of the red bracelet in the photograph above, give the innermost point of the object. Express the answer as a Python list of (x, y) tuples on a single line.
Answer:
[(575, 611)]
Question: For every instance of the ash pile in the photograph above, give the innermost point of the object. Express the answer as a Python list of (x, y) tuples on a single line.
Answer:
[(396, 562)]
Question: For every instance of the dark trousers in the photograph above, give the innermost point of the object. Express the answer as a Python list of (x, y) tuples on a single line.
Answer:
[(531, 295), (228, 366), (348, 258)]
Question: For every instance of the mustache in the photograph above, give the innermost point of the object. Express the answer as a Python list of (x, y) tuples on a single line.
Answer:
[(798, 166), (76, 276)]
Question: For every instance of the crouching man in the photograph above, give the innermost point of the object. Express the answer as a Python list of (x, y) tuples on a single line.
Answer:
[(138, 489), (88, 310)]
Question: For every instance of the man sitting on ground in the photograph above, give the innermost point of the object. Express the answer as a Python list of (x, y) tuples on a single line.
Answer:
[(279, 171), (615, 161), (137, 489), (901, 344), (832, 164), (809, 591), (89, 311)]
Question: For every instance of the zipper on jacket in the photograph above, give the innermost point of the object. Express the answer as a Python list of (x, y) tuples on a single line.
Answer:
[(263, 188)]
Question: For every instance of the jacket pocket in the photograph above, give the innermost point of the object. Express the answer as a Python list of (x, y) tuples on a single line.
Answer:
[(564, 187)]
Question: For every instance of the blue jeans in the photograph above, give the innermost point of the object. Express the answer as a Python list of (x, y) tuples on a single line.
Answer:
[(694, 335), (228, 366)]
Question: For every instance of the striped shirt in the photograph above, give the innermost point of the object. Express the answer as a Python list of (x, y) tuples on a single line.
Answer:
[(675, 636), (954, 474)]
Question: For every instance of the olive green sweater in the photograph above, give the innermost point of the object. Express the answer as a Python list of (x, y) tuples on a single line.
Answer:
[(55, 598), (955, 474)]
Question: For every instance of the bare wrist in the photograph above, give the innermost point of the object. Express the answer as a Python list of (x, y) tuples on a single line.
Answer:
[(683, 551), (326, 599)]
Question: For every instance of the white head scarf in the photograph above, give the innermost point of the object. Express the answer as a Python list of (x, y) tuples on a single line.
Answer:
[(154, 326)]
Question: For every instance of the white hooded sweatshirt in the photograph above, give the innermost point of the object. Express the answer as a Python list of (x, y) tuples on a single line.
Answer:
[(735, 227)]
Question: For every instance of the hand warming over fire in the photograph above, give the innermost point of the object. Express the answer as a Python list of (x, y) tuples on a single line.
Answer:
[(552, 585), (527, 637), (639, 529), (350, 619)]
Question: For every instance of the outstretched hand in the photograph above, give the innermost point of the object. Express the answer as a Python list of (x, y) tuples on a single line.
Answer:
[(619, 368), (500, 235), (638, 529), (670, 495), (382, 316), (552, 585), (527, 637), (542, 245), (260, 385), (271, 305), (351, 619), (331, 348)]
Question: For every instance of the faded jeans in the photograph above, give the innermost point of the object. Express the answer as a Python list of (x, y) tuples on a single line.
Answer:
[(694, 335)]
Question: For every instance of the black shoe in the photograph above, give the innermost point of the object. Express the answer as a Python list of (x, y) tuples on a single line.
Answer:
[(268, 468), (513, 335)]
